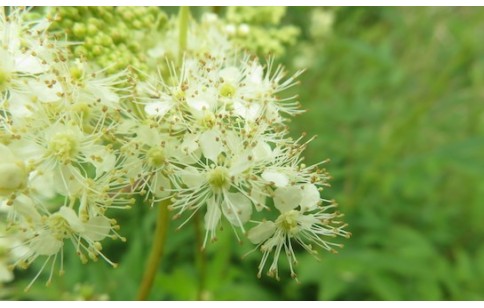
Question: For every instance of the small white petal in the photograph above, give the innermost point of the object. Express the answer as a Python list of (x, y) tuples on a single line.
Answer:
[(66, 180), (27, 150), (199, 103), (310, 197), (262, 151), (105, 94), (43, 93), (74, 222), (160, 185), (191, 177), (249, 112), (25, 207), (102, 159), (29, 64), (189, 143), (237, 209), (230, 74), (307, 221), (158, 108), (45, 244), (212, 217), (287, 198), (258, 197), (279, 179), (234, 141), (97, 228), (255, 75), (147, 135), (261, 232), (210, 144), (241, 163), (42, 183), (19, 105)]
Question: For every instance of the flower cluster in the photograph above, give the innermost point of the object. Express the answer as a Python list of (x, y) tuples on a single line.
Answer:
[(208, 134), (59, 172)]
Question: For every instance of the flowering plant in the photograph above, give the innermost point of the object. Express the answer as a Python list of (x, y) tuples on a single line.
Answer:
[(180, 118)]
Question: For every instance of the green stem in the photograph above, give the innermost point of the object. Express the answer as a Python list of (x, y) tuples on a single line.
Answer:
[(162, 218), (183, 16), (200, 256), (156, 253)]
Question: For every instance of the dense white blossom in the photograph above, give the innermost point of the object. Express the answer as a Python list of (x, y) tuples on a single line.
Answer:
[(205, 133)]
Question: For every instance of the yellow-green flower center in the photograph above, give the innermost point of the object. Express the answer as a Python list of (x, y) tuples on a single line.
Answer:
[(288, 221), (219, 178), (82, 109), (59, 227), (155, 156), (64, 147), (208, 120), (227, 90), (76, 72)]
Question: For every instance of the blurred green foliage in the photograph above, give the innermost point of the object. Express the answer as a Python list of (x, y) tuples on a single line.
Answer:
[(396, 98)]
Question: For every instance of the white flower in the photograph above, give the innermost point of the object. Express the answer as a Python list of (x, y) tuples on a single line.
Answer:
[(301, 220), (24, 71), (209, 137), (59, 148), (227, 185), (60, 165), (45, 233), (87, 85), (149, 156), (211, 187)]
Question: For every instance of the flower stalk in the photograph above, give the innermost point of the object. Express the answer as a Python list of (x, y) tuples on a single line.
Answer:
[(200, 256), (156, 253), (162, 220)]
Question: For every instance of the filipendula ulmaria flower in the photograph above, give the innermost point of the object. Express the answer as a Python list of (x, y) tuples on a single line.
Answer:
[(302, 219), (224, 118), (206, 133), (44, 234), (25, 49)]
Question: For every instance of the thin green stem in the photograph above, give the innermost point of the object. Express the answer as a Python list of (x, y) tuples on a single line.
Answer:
[(159, 239), (200, 256), (183, 16), (156, 253)]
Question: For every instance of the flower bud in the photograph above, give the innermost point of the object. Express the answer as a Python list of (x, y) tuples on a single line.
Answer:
[(13, 173)]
